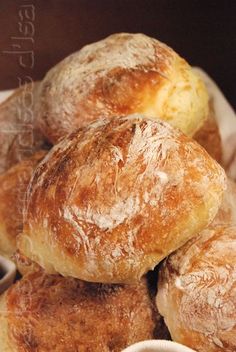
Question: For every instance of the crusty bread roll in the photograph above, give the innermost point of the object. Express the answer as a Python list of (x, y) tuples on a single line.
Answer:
[(51, 313), (208, 135), (227, 211), (113, 199), (24, 265), (19, 136), (120, 75), (197, 291), (13, 186)]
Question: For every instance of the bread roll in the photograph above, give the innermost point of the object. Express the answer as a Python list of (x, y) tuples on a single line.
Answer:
[(19, 136), (209, 135), (197, 291), (51, 313), (113, 199), (227, 211), (120, 75), (13, 186)]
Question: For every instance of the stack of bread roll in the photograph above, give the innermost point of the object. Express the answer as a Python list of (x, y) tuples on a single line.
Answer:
[(125, 188)]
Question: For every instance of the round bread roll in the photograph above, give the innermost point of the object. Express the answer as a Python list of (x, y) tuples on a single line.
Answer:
[(13, 186), (120, 75), (227, 211), (208, 135), (197, 291), (113, 199), (19, 136), (51, 313)]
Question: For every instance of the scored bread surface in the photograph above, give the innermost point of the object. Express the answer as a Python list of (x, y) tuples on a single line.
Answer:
[(113, 199)]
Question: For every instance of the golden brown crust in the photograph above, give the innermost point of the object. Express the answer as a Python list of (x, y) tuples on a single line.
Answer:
[(120, 75), (13, 186), (113, 199), (51, 313), (197, 291), (209, 135), (19, 136)]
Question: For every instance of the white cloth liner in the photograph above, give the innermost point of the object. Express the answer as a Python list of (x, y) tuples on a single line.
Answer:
[(157, 346), (5, 94), (8, 269)]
